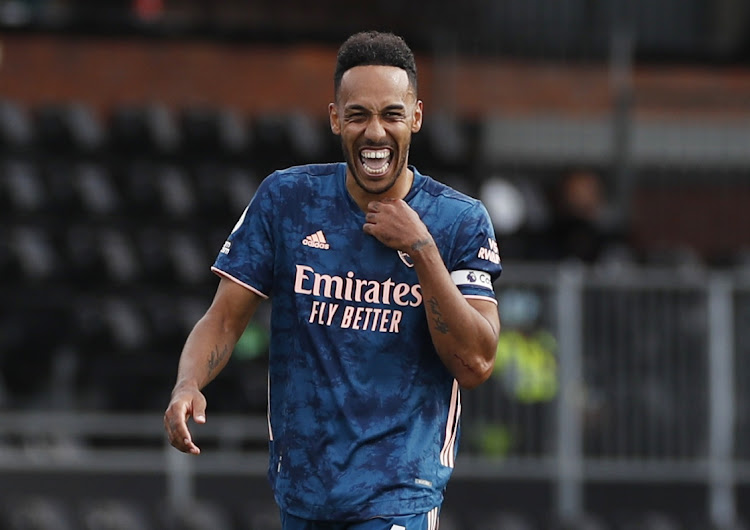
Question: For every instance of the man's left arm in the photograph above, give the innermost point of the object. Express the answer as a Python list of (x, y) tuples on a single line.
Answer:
[(464, 331)]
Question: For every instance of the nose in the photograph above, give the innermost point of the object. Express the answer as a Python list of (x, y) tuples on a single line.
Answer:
[(375, 130)]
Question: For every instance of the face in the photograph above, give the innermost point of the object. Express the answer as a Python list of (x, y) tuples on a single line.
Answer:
[(375, 113)]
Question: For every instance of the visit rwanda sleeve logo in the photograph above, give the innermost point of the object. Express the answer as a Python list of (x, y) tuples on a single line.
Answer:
[(491, 252)]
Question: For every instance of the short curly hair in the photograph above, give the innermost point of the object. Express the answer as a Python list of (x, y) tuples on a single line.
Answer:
[(374, 48)]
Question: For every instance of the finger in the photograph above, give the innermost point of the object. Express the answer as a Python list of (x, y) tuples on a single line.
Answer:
[(373, 206), (191, 448), (188, 446), (179, 437), (185, 444), (370, 217), (176, 425)]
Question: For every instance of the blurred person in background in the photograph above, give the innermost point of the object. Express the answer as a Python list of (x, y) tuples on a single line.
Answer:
[(381, 281), (581, 228)]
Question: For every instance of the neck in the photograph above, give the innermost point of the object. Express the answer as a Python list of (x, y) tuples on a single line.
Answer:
[(399, 190)]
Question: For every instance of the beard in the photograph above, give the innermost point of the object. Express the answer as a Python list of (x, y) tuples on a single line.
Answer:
[(375, 188)]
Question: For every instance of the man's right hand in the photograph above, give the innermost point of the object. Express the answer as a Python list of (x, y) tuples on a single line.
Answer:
[(184, 404)]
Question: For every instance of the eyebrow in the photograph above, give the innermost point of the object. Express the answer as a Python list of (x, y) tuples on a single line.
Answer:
[(394, 106)]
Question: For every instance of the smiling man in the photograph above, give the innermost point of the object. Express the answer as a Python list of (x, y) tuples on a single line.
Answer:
[(382, 309), (375, 113)]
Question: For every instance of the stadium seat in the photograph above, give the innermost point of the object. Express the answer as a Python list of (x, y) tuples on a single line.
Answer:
[(16, 127), (649, 520), (158, 267), (261, 517), (61, 177), (143, 130), (83, 252), (36, 253), (444, 140), (138, 179), (450, 521), (127, 324), (177, 196), (505, 520), (174, 258), (90, 331), (241, 185), (31, 336), (198, 514), (114, 514), (9, 262), (584, 521), (98, 194), (208, 132), (22, 191), (708, 525), (119, 255), (108, 324), (209, 180), (190, 258), (307, 140), (286, 139), (36, 512), (223, 191), (740, 260), (167, 321), (67, 128), (123, 363)]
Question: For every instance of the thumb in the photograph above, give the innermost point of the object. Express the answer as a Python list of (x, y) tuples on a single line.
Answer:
[(199, 413)]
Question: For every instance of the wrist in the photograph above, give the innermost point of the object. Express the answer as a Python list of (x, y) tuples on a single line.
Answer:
[(186, 385), (422, 247)]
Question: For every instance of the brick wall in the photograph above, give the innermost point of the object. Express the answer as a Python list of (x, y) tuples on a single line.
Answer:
[(252, 78)]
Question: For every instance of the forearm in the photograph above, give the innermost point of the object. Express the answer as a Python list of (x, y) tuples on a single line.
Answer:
[(206, 352), (464, 338)]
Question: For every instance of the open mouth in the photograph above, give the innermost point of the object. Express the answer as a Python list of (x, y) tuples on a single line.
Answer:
[(375, 161)]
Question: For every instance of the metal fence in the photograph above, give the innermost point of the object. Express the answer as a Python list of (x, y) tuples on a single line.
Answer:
[(603, 374), (622, 375)]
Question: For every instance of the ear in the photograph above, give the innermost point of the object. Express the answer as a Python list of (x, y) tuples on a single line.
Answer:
[(417, 123), (333, 116)]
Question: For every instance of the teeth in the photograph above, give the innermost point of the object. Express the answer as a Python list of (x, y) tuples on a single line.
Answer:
[(380, 153), (378, 171)]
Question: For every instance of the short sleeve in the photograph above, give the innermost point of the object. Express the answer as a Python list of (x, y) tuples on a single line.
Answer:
[(475, 261), (247, 256)]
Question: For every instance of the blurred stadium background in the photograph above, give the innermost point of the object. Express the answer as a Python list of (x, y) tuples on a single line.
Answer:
[(610, 140)]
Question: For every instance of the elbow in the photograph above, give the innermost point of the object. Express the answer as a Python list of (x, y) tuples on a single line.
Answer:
[(476, 372), (472, 381)]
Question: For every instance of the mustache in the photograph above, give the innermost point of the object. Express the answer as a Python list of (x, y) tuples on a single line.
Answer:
[(375, 145)]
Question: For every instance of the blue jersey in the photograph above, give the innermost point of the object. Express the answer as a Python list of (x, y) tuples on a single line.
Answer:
[(363, 415)]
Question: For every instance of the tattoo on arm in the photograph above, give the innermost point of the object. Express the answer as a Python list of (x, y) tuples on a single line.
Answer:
[(216, 358), (419, 245), (442, 327), (437, 316)]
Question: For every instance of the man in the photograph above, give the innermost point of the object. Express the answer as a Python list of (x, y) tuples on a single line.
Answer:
[(383, 306)]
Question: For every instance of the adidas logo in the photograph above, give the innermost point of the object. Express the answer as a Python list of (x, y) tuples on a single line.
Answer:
[(316, 240)]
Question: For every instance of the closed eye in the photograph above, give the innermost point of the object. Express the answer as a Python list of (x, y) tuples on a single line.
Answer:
[(356, 116)]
